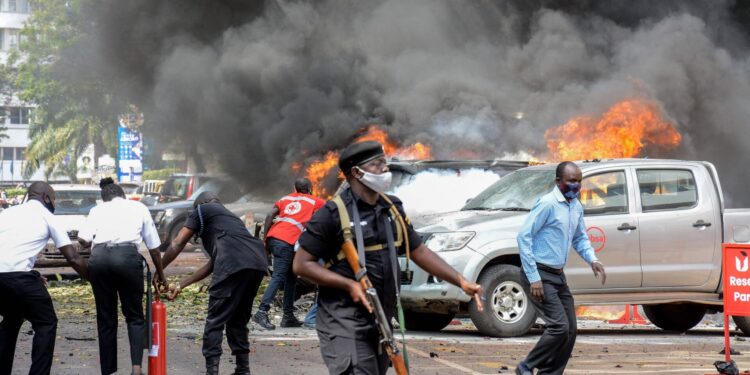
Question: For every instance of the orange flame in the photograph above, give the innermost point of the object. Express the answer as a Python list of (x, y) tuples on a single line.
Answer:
[(621, 132), (599, 312), (320, 171)]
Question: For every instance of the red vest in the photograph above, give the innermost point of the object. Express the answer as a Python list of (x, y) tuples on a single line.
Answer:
[(295, 210)]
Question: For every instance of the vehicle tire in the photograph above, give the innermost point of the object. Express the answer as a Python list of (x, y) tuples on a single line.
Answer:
[(743, 323), (675, 317), (417, 321), (508, 311)]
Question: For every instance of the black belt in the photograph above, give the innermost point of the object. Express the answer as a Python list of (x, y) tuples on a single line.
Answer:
[(549, 269), (116, 245)]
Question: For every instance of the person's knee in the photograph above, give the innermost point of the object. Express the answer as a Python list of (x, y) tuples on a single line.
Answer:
[(559, 329)]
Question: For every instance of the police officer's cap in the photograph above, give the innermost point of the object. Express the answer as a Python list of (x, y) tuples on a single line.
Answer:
[(358, 154)]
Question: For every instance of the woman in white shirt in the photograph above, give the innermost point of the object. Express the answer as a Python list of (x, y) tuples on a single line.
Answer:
[(116, 229)]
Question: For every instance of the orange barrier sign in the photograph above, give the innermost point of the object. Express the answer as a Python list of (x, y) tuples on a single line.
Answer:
[(736, 279)]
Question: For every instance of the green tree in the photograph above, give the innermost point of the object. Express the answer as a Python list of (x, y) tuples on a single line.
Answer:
[(74, 105)]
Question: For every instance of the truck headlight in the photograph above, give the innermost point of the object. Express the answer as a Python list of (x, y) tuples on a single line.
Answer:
[(449, 241)]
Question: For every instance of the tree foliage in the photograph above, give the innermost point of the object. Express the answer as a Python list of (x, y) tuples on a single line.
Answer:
[(56, 70)]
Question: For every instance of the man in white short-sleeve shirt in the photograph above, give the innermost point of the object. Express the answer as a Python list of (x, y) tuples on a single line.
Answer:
[(115, 230), (24, 232)]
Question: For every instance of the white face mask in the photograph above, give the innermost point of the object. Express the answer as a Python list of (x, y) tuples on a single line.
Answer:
[(379, 183)]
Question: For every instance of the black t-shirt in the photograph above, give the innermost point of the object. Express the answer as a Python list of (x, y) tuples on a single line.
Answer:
[(338, 315), (231, 246)]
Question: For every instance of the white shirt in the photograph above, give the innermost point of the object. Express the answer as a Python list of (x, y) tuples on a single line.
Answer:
[(24, 232), (120, 221)]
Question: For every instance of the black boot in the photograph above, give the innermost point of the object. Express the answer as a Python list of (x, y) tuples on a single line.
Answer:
[(212, 365), (243, 364), (261, 318), (290, 321)]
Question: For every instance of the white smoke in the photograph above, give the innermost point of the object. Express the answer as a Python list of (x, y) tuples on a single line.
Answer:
[(434, 191)]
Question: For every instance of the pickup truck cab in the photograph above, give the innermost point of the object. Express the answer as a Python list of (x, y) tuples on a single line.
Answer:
[(656, 225)]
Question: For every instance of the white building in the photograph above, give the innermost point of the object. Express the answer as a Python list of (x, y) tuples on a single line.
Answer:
[(13, 14)]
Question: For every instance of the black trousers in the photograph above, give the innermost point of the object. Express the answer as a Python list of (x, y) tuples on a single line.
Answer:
[(348, 356), (553, 350), (23, 296), (117, 270), (231, 310)]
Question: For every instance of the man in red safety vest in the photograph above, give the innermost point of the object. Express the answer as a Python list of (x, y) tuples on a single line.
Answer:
[(286, 222)]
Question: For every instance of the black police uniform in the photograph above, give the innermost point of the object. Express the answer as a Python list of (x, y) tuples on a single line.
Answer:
[(347, 331), (239, 266)]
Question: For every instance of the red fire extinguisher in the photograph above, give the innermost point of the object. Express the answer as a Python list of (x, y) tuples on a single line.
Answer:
[(156, 315), (157, 357)]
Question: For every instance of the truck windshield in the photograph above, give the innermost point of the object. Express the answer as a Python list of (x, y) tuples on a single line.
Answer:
[(517, 191), (75, 202)]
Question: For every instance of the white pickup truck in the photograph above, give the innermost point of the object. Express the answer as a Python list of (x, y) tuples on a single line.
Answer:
[(656, 225)]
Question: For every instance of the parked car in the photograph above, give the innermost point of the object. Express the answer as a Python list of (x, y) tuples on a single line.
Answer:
[(170, 217), (130, 189), (182, 186), (657, 226), (72, 206)]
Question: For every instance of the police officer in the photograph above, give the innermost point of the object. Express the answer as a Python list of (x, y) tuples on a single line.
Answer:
[(238, 263), (289, 216), (348, 336), (115, 229), (24, 232)]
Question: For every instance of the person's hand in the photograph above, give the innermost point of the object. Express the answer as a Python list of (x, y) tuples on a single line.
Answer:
[(474, 290), (537, 291), (358, 295), (160, 284), (174, 290), (598, 269)]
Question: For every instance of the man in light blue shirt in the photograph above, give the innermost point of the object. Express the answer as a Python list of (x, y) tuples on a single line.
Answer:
[(553, 226)]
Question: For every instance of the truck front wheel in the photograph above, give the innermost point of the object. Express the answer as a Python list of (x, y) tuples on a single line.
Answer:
[(677, 317), (507, 311)]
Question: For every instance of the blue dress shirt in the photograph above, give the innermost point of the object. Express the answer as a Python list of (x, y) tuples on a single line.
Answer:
[(553, 225)]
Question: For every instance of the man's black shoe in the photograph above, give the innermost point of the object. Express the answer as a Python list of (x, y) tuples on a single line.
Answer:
[(261, 318), (521, 369), (290, 321)]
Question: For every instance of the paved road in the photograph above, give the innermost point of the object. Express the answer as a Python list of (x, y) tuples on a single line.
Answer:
[(601, 349)]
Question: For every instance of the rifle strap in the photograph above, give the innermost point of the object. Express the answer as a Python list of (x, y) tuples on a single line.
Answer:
[(358, 236), (402, 225), (397, 284), (402, 328)]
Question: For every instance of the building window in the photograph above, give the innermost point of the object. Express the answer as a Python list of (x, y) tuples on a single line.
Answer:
[(7, 153), (18, 115), (12, 35), (14, 6), (20, 153)]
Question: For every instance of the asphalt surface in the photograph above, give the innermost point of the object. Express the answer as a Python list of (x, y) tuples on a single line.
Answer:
[(601, 348)]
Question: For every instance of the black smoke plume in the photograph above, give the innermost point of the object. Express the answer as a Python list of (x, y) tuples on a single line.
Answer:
[(254, 86)]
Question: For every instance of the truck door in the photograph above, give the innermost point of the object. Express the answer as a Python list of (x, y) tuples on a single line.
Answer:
[(677, 223), (611, 225)]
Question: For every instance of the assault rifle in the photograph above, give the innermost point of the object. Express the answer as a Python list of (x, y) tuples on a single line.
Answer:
[(384, 327)]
